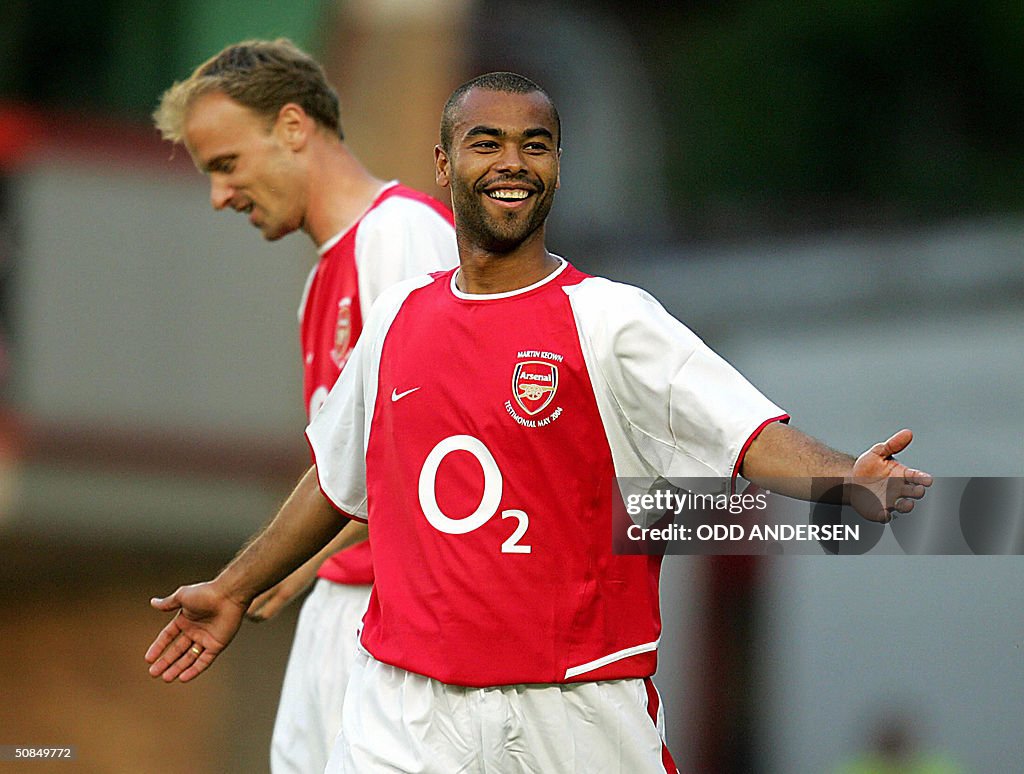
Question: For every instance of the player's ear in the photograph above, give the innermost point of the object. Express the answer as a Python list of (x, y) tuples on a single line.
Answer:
[(292, 125), (558, 169), (442, 167)]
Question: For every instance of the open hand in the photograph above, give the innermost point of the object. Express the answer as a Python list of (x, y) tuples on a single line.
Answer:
[(880, 486), (206, 621)]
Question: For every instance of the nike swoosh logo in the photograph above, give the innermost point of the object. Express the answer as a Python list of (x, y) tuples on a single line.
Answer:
[(396, 395)]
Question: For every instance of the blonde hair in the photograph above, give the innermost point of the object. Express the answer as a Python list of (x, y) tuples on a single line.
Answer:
[(262, 75)]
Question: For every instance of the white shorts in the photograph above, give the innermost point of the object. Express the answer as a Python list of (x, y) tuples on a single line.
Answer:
[(323, 651), (398, 721)]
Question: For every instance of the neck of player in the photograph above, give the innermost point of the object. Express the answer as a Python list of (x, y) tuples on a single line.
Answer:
[(340, 189), (483, 272)]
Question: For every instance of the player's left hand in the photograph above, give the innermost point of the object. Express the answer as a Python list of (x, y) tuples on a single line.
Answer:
[(205, 622), (880, 486)]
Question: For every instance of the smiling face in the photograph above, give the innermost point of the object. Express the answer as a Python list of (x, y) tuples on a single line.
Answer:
[(502, 167), (251, 163)]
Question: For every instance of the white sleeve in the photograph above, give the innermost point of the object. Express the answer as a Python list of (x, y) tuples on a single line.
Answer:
[(339, 432), (336, 436), (672, 407), (401, 238)]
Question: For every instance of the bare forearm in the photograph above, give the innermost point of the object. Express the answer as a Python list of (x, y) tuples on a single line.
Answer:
[(351, 534), (790, 462), (305, 523)]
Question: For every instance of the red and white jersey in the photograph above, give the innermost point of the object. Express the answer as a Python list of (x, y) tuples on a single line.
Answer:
[(481, 435), (404, 233)]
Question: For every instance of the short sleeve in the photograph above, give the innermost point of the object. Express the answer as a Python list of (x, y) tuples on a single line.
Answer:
[(339, 432), (677, 408), (401, 238), (336, 437)]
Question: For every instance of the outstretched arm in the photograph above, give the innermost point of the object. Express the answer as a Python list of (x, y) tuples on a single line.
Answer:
[(208, 615), (789, 462), (273, 600)]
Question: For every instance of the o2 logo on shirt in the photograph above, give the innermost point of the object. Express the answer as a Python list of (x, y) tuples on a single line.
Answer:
[(489, 501), (316, 401)]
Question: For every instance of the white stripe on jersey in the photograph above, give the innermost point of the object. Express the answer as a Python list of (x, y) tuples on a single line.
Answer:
[(611, 658)]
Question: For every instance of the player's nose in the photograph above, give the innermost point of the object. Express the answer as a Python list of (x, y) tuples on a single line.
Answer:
[(511, 159), (220, 194)]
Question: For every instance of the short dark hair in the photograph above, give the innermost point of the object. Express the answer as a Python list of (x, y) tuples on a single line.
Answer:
[(262, 75), (509, 83)]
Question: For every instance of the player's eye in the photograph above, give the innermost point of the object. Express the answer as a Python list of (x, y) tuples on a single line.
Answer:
[(222, 166)]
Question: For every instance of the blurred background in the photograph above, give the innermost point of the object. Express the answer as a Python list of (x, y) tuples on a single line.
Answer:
[(832, 195)]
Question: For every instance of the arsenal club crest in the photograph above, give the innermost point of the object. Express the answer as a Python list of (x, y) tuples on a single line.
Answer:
[(534, 384), (342, 333)]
